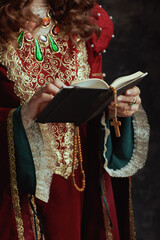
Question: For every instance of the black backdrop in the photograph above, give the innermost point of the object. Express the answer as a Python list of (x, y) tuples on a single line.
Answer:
[(136, 46)]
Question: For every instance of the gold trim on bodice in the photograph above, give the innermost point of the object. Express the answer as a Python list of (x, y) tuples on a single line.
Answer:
[(55, 150)]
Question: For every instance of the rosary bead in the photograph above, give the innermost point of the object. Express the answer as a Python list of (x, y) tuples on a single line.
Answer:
[(77, 144)]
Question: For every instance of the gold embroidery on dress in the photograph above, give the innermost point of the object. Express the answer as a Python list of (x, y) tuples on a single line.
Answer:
[(82, 59), (34, 218), (13, 176), (56, 149), (131, 214), (29, 75), (10, 59)]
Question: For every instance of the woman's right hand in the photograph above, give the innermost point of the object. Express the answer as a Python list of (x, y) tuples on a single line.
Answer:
[(40, 99)]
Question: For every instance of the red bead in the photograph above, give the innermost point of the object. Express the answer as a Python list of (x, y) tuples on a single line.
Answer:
[(46, 21), (56, 30), (29, 36)]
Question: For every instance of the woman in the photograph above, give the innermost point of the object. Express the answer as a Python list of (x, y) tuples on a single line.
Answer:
[(45, 45)]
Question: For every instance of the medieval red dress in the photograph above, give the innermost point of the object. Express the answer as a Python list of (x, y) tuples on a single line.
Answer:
[(56, 210)]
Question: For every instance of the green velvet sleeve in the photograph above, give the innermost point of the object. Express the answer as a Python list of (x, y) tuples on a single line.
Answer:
[(24, 161), (119, 149)]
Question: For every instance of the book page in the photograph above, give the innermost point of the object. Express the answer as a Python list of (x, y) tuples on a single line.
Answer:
[(91, 83), (122, 81)]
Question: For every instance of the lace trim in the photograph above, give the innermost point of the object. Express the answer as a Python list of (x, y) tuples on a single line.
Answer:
[(13, 176), (140, 151), (43, 173)]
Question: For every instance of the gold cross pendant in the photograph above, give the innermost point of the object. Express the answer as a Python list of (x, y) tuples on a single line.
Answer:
[(115, 123)]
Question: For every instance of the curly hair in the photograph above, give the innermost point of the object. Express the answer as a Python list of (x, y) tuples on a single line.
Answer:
[(75, 17)]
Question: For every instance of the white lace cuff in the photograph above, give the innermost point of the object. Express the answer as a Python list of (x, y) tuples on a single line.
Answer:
[(140, 151)]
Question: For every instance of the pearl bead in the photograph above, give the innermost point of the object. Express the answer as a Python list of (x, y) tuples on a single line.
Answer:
[(99, 14), (113, 36), (111, 17), (92, 45), (43, 38)]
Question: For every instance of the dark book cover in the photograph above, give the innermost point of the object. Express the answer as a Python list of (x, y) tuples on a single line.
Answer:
[(79, 104)]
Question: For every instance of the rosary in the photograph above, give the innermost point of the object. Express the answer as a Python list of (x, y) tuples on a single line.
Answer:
[(115, 123)]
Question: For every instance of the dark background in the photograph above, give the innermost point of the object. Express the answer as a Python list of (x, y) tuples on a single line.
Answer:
[(136, 46)]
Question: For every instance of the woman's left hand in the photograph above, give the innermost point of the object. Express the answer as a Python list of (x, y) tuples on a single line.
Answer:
[(128, 103)]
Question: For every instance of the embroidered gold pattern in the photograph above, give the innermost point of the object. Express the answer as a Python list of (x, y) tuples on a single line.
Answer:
[(131, 214), (28, 75), (36, 219), (97, 74), (14, 188)]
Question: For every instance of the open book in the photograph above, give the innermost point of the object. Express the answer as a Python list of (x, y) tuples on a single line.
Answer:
[(85, 99)]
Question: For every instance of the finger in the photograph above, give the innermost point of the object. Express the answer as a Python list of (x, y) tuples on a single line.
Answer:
[(45, 97), (111, 104), (121, 113), (133, 91), (125, 107), (50, 88), (58, 83), (129, 99), (125, 113), (35, 101)]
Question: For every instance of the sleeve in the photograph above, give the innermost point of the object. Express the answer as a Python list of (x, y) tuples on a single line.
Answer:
[(124, 156), (16, 153), (105, 24), (17, 175), (24, 160), (97, 45)]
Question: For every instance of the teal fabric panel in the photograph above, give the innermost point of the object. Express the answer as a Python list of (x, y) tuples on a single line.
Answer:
[(119, 150), (26, 177)]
